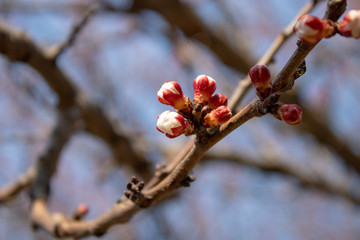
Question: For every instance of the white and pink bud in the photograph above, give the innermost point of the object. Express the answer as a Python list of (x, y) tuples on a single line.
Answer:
[(171, 123), (171, 94), (289, 113), (204, 87), (260, 78), (218, 100), (311, 29), (216, 117), (350, 25)]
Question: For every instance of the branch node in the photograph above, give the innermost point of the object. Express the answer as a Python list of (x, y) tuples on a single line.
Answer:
[(186, 182), (133, 192)]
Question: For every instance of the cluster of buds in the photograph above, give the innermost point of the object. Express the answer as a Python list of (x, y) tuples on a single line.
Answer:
[(350, 25), (207, 109), (260, 77), (311, 29)]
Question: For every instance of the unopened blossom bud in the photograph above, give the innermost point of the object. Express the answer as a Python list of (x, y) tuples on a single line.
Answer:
[(218, 100), (171, 123), (350, 25), (216, 117), (260, 78), (171, 94), (204, 87), (289, 113), (311, 29), (81, 210)]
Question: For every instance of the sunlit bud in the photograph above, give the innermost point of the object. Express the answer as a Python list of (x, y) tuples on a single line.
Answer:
[(260, 78), (218, 100), (290, 113), (216, 117), (350, 25), (311, 29), (171, 94), (171, 123), (204, 87)]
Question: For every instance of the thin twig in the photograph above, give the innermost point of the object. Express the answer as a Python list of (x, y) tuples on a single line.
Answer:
[(8, 192), (74, 33)]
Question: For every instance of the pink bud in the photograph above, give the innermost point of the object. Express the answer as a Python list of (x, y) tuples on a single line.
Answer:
[(216, 117), (260, 78), (311, 29), (218, 100), (350, 25), (171, 123), (171, 94), (204, 87), (290, 113), (81, 210)]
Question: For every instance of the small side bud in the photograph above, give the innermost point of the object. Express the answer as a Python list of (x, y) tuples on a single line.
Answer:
[(216, 117), (171, 94), (260, 78), (189, 130), (289, 113), (350, 25), (311, 29), (81, 210), (171, 123), (218, 100), (204, 87)]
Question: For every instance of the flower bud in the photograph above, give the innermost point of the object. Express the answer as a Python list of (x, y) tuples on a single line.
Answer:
[(311, 29), (171, 94), (204, 87), (289, 113), (260, 78), (218, 100), (81, 210), (171, 123), (350, 25), (216, 117)]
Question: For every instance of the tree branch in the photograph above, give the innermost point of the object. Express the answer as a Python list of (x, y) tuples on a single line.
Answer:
[(17, 46), (122, 211), (181, 15), (245, 84), (274, 166), (57, 51), (47, 162), (8, 192), (314, 124)]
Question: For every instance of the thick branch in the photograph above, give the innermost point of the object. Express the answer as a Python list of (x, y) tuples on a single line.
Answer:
[(61, 226), (274, 166), (47, 162), (18, 47), (179, 14), (315, 124)]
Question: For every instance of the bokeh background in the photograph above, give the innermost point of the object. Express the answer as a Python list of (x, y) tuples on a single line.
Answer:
[(120, 59)]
